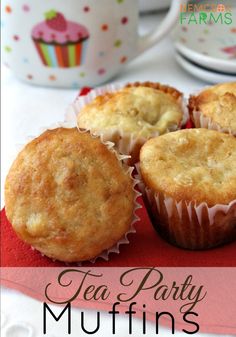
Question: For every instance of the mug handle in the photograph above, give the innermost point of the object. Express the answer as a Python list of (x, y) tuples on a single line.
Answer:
[(149, 40)]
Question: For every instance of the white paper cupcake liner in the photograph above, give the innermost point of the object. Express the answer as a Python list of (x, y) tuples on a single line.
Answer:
[(70, 123), (188, 224), (125, 143)]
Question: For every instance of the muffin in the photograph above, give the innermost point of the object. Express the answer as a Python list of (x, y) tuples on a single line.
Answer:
[(131, 115), (59, 42), (69, 196), (190, 186), (215, 108)]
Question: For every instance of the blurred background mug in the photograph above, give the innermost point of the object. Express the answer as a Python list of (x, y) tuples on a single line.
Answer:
[(74, 43)]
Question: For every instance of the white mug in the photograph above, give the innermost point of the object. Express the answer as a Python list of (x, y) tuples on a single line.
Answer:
[(74, 43)]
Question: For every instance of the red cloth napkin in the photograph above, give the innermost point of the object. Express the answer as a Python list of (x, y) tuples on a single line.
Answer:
[(146, 248)]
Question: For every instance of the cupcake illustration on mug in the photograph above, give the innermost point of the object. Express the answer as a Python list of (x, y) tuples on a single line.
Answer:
[(60, 43)]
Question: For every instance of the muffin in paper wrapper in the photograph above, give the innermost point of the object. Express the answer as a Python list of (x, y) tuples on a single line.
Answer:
[(129, 170), (187, 224), (125, 143), (202, 121)]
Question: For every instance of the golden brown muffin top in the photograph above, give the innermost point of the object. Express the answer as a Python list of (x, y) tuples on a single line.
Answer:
[(218, 103), (191, 164), (141, 109), (68, 195)]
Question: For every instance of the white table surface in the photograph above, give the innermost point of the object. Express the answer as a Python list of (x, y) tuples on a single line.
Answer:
[(26, 109)]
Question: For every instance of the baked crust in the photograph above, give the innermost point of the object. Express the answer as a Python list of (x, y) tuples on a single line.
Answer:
[(176, 94), (191, 165), (69, 196), (218, 103), (141, 109)]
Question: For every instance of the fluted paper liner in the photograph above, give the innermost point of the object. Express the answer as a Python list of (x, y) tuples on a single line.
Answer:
[(70, 123), (125, 143), (188, 224)]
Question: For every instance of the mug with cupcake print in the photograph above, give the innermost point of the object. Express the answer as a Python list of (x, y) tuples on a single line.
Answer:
[(60, 43), (74, 43)]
